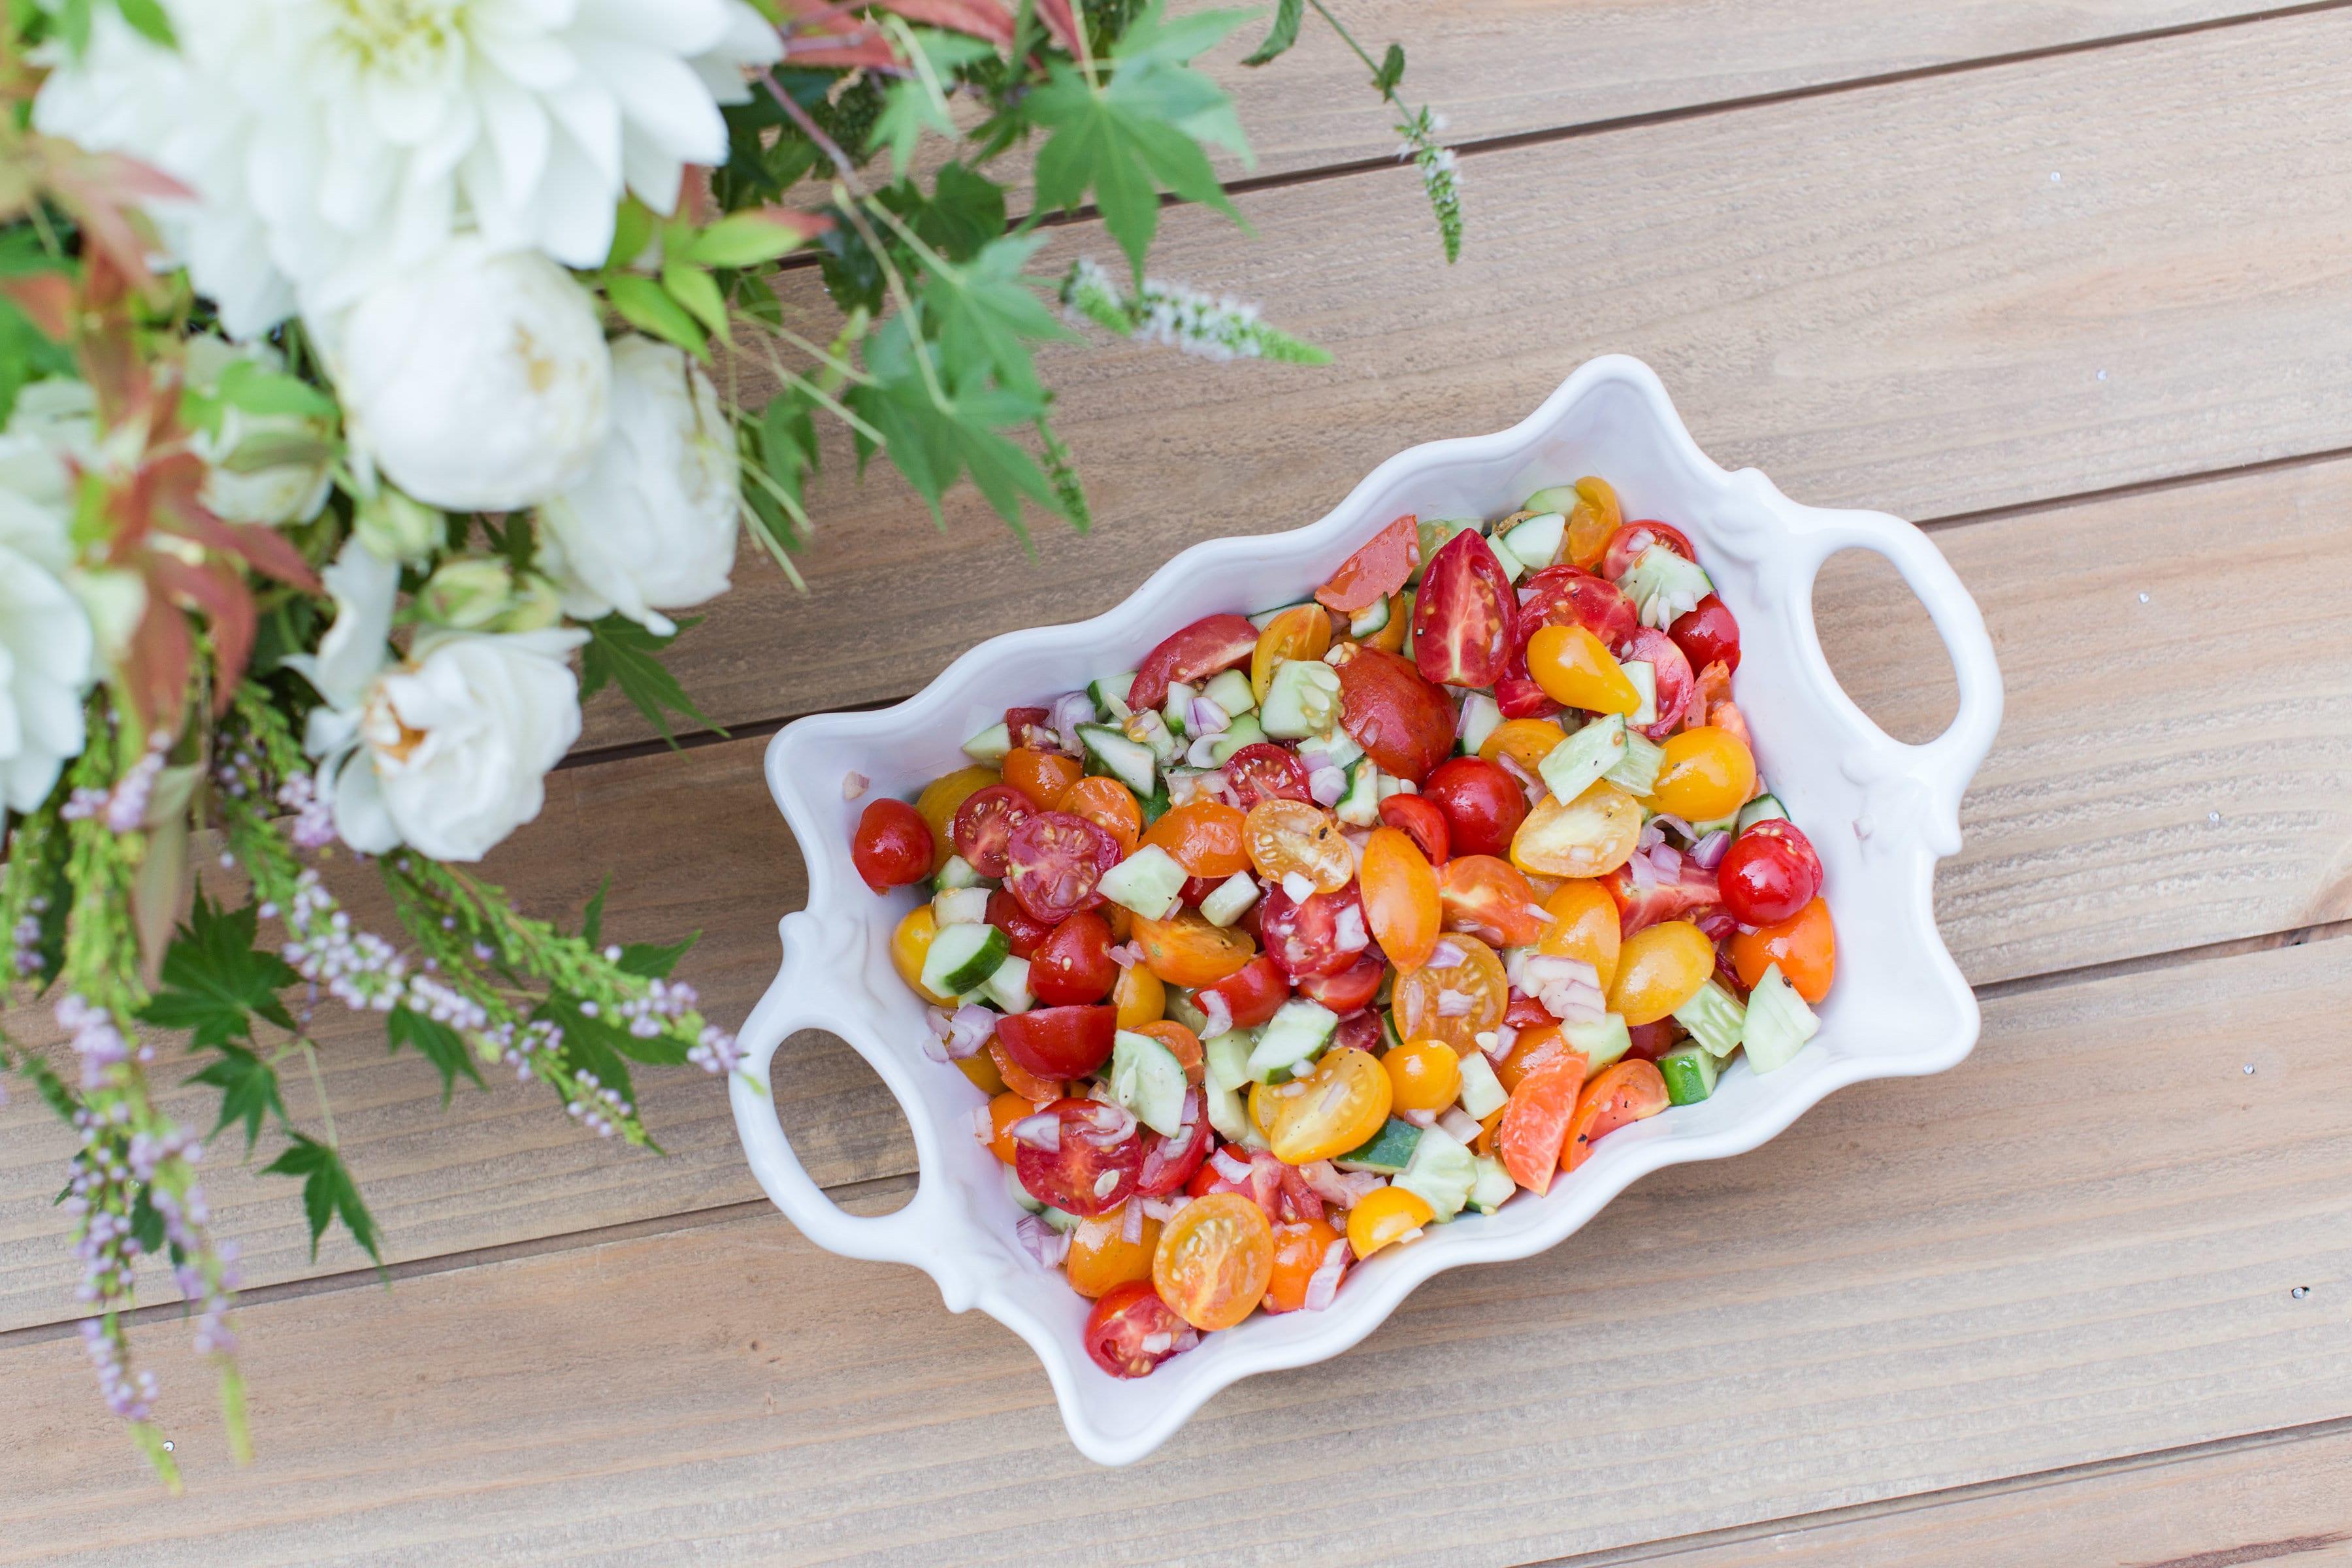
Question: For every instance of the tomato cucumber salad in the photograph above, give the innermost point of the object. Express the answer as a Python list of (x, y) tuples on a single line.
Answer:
[(1339, 921)]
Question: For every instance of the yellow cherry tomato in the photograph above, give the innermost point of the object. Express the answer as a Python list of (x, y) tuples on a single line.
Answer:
[(1102, 1258), (1423, 1075), (1591, 836), (1390, 1214), (936, 806), (1284, 835), (1303, 631), (1214, 1260), (1576, 671), (1659, 968), (908, 946), (1526, 742), (1707, 774), (1390, 638), (1003, 1111), (1263, 1109), (1335, 1108), (1584, 926), (1141, 996), (980, 1067), (1595, 517), (1401, 902)]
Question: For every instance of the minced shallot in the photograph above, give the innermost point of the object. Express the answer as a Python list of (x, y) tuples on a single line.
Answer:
[(1323, 1285), (1208, 718), (1459, 1125), (962, 1032), (1131, 1223), (1233, 1169), (1071, 710), (1042, 1132), (854, 785), (1041, 1240), (1420, 1118), (1127, 955), (1708, 852), (1669, 861), (1217, 1013), (1327, 786), (1446, 954)]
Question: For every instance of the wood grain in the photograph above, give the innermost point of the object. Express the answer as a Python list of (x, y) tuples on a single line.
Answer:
[(1881, 298), (2077, 1245)]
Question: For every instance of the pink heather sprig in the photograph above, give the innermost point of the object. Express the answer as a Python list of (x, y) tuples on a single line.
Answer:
[(360, 969), (24, 940), (123, 807), (313, 826)]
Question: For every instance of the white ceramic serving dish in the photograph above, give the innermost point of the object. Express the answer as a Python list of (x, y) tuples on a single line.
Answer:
[(1880, 812)]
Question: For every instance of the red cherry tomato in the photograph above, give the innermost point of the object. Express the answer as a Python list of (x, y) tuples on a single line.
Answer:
[(1385, 705), (1059, 1042), (1074, 965), (1652, 1041), (1196, 888), (892, 846), (1252, 992), (984, 824), (1024, 930), (1423, 823), (1526, 1012), (1684, 897), (1168, 1162), (1515, 691), (1564, 596), (1770, 873), (1129, 1318), (1320, 936), (1482, 804), (1359, 1031), (1707, 633), (1054, 861), (1209, 644), (1020, 721), (1349, 988), (1675, 681), (1465, 619), (1094, 1141), (1625, 546), (1376, 571), (1263, 771)]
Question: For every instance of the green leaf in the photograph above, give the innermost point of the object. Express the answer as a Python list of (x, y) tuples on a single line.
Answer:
[(147, 1222), (695, 289), (986, 314), (147, 17), (52, 1087), (624, 654), (934, 441), (248, 1088), (277, 449), (1391, 70), (648, 307), (1287, 15), (328, 1191), (633, 230), (746, 239), (916, 103), (256, 388), (214, 979), (963, 213), (653, 961), (437, 1042), (592, 919)]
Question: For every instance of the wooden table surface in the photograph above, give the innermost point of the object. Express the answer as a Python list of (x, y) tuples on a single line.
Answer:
[(2069, 285)]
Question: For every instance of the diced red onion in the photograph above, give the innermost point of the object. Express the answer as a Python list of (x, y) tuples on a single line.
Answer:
[(1163, 1209), (1109, 1124), (1100, 1092), (1420, 1118), (854, 785), (1533, 786), (1217, 1013), (1326, 785), (1453, 1003), (934, 1050), (969, 1030), (1208, 718), (1323, 1285), (1041, 1240), (1131, 1223), (1127, 954), (1505, 1036), (1042, 1132), (1230, 1168), (1459, 1125), (1669, 861), (1295, 884), (1526, 595), (1071, 710), (1324, 1178), (1674, 824), (1446, 954), (1708, 852), (1156, 1341), (1311, 761), (1348, 932), (1650, 838), (1371, 735), (1640, 873), (1566, 988)]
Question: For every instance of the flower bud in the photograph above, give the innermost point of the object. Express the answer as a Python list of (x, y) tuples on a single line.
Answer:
[(535, 605), (399, 529), (467, 594)]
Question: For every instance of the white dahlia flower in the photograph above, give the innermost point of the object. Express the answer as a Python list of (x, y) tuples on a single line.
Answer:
[(49, 655), (652, 526), (332, 144)]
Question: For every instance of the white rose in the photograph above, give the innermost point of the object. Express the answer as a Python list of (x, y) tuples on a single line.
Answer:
[(289, 492), (48, 652), (477, 381), (452, 747), (652, 527)]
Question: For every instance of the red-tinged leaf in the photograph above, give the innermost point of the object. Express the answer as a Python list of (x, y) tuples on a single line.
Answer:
[(155, 665), (48, 299), (221, 595), (980, 19), (268, 551), (1055, 15), (263, 549)]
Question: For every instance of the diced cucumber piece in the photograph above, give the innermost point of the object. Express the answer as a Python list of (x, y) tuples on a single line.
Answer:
[(1185, 1010), (961, 957), (1225, 1058), (1152, 730), (1298, 1030), (1019, 1194), (1227, 1115), (1636, 772), (1110, 697), (1779, 1023), (1536, 542), (1644, 677), (1411, 598), (1359, 804), (1482, 1093), (1494, 1187), (1232, 900), (1690, 1074), (1553, 498), (1009, 986), (1303, 700), (1576, 764), (1155, 804), (1060, 1219), (1390, 1038), (1147, 1078), (1513, 567), (990, 744), (1177, 711), (1713, 1016), (1372, 617), (1664, 586), (958, 873), (1264, 618), (1601, 1042), (1720, 825), (959, 907), (1390, 784), (1480, 717), (1109, 751), (1335, 744), (1230, 690), (1148, 883), (1386, 1151), (1436, 531), (1763, 808), (1441, 1171), (1244, 730)]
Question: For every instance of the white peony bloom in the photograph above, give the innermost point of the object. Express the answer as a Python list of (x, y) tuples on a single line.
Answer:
[(333, 143), (652, 527), (48, 652), (290, 493), (477, 381)]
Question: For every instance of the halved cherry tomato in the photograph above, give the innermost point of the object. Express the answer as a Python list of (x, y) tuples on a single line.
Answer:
[(1565, 596), (1132, 1331), (980, 1068), (1482, 804), (1711, 690), (1589, 836), (1707, 634), (1186, 950), (1073, 964), (1660, 969), (1302, 631), (1003, 1111), (1536, 1121), (1770, 873), (940, 801), (1686, 896), (1651, 1041), (1490, 899), (892, 846), (1096, 1161), (1465, 619), (1251, 993), (1387, 707), (1421, 822), (1575, 670), (1024, 930), (1182, 1043), (1030, 727), (1625, 546), (1204, 836), (1053, 862), (1519, 696), (1346, 989), (1401, 898), (1300, 1247), (1028, 1084), (1043, 776), (1423, 1075), (984, 825), (1526, 742), (1376, 571), (1337, 1107), (1480, 993), (1209, 644), (1390, 638), (1262, 771), (1101, 1257), (1059, 1042), (1214, 1260), (1805, 946), (1321, 936), (1359, 1031), (1584, 926), (1290, 837), (910, 943), (1109, 805), (1705, 773), (1387, 1215), (1168, 1162), (1672, 671), (1592, 521), (1534, 1047), (1140, 997), (1629, 1091)]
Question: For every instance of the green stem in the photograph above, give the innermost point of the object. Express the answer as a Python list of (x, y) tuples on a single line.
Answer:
[(1349, 39), (318, 1088)]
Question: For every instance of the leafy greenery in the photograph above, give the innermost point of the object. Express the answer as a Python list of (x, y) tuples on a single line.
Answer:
[(327, 1193), (621, 653), (215, 980), (437, 1042), (248, 1091)]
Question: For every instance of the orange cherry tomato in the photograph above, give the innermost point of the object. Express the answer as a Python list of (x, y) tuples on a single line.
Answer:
[(1388, 1215), (1181, 1042), (1042, 776), (1659, 968), (1286, 836), (1102, 1258), (1585, 926), (1299, 1249), (1423, 1075), (1526, 742), (1591, 836), (1204, 836), (1707, 774), (1002, 1112), (1390, 638), (936, 806), (1139, 996), (1020, 1079), (1214, 1260), (1488, 1131), (1303, 631), (1186, 950), (1381, 567), (980, 1067), (1576, 671), (1591, 522), (1109, 805), (1622, 1091), (1489, 899), (1534, 1047), (1805, 946), (1481, 994), (1536, 1121), (1401, 898), (1338, 1107)]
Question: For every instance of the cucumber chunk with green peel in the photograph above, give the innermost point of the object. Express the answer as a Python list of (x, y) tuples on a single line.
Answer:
[(1763, 808), (1494, 1187), (1359, 803), (1690, 1074), (1664, 586), (1229, 691), (1720, 825), (1482, 1093), (1411, 598), (1244, 730), (1147, 1078), (1440, 1171), (1537, 541), (1480, 717), (1060, 1219), (990, 744), (1779, 1023), (1386, 1151), (1644, 677), (1338, 746), (1110, 697), (1600, 1042), (1227, 1115), (959, 907), (1513, 567), (1303, 700), (1225, 1058), (1019, 1194), (1109, 751), (1149, 883), (1372, 617), (961, 956), (958, 873), (1575, 764), (1390, 784), (1156, 805), (1177, 711), (1636, 772), (1298, 1030), (1231, 901), (1713, 1016), (1264, 618), (1009, 986), (1562, 498)]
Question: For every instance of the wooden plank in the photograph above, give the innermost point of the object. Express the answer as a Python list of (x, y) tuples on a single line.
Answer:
[(1881, 298), (2079, 1245)]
